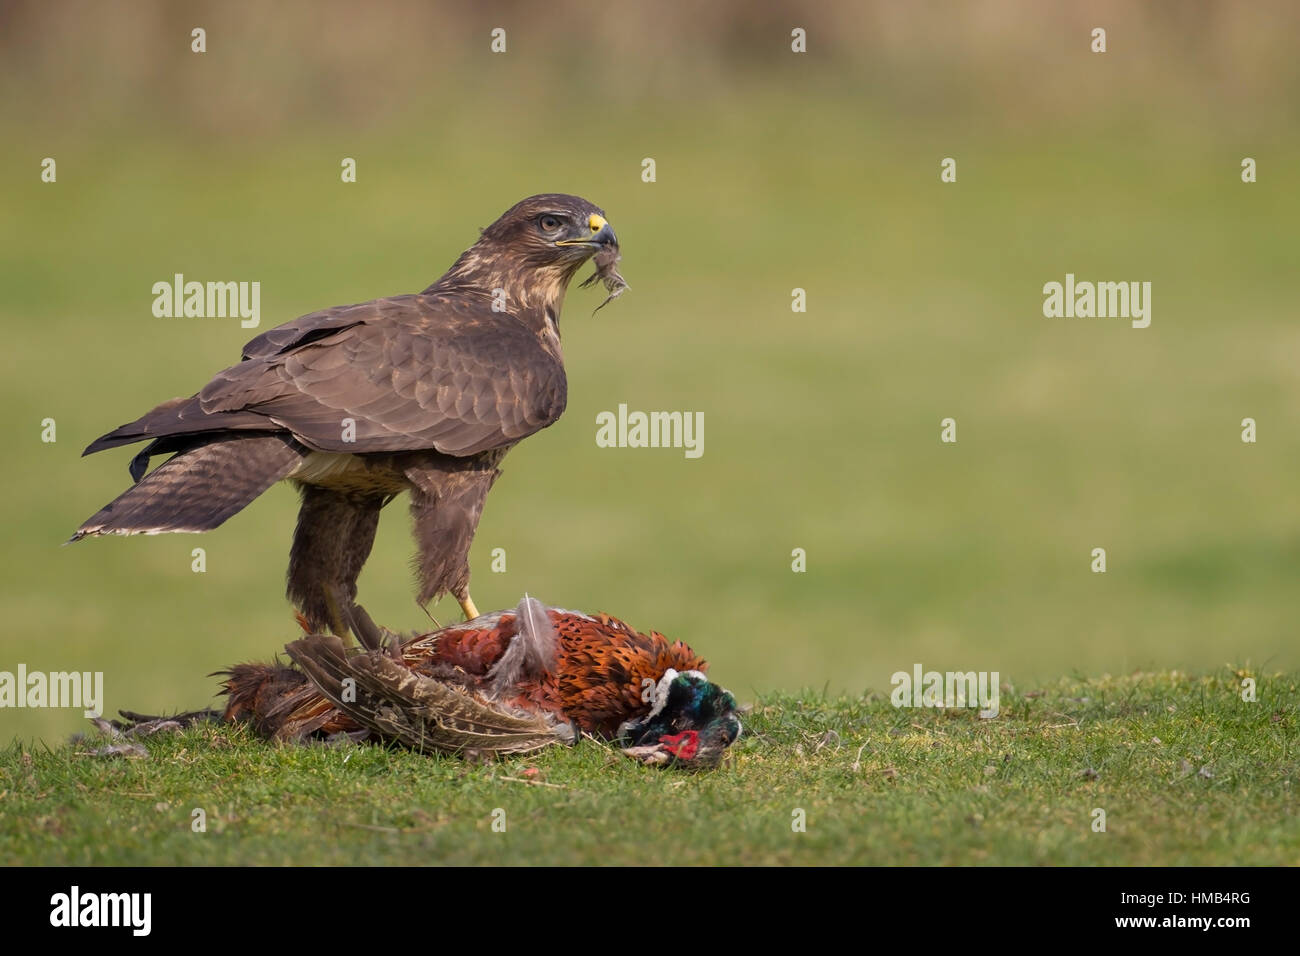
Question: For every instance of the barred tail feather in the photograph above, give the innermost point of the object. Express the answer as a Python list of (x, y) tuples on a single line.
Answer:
[(199, 488)]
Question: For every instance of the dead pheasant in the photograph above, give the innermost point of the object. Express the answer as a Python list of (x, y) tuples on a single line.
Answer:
[(505, 682)]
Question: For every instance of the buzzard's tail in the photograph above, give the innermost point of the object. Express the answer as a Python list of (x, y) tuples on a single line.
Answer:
[(199, 488)]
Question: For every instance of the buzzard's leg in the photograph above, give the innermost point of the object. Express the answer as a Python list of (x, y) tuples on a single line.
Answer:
[(446, 503), (334, 536)]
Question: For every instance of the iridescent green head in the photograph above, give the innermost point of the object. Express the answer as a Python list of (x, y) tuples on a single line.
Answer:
[(693, 719)]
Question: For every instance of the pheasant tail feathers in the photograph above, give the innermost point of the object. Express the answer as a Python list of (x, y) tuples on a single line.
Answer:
[(422, 713)]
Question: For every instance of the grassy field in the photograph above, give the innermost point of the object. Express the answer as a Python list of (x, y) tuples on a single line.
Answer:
[(822, 429), (1185, 771), (924, 302)]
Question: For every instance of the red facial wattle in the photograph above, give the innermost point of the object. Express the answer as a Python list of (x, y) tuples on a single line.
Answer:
[(683, 746)]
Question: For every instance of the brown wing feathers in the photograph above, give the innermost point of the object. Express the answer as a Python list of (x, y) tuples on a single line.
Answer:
[(473, 395), (411, 372)]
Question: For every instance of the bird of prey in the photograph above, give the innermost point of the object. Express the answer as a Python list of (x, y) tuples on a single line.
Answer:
[(356, 404)]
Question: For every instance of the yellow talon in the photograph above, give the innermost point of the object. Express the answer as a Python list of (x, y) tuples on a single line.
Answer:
[(467, 605)]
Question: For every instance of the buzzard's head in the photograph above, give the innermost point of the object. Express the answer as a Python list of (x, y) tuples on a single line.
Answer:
[(552, 229), (535, 248)]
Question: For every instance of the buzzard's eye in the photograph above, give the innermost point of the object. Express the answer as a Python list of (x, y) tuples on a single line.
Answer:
[(549, 223)]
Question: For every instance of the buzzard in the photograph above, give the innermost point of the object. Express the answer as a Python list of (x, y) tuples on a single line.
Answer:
[(356, 404)]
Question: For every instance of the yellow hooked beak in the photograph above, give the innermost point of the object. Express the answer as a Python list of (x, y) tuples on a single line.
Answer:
[(601, 234)]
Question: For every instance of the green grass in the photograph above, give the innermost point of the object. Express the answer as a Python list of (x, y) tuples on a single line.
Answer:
[(1186, 772)]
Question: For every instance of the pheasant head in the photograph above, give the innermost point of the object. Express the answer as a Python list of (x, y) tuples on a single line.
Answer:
[(692, 722)]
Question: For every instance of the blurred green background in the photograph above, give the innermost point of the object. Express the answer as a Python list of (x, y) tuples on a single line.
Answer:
[(775, 171)]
